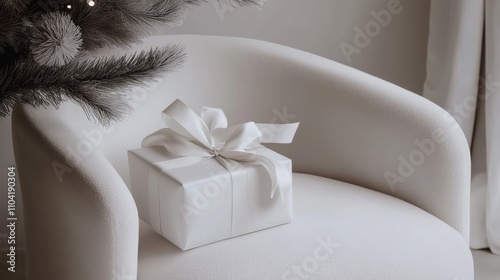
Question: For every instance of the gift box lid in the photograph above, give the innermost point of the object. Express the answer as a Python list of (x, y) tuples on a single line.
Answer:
[(185, 175)]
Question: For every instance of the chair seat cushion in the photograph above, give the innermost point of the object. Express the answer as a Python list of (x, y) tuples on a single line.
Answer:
[(340, 231)]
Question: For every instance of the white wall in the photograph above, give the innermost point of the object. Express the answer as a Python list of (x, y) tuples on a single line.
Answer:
[(397, 53)]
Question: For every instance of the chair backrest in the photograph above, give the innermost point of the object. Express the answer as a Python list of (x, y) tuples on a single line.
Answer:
[(354, 127)]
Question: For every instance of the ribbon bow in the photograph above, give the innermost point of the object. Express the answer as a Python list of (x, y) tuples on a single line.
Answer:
[(194, 139)]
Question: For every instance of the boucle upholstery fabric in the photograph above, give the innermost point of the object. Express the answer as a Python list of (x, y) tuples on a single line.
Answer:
[(81, 221)]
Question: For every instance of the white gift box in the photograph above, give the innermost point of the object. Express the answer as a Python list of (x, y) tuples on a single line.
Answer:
[(198, 181), (199, 204)]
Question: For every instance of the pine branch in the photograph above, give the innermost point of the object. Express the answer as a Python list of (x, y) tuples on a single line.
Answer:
[(97, 85), (100, 27), (246, 2), (145, 17), (103, 106), (11, 30), (14, 6)]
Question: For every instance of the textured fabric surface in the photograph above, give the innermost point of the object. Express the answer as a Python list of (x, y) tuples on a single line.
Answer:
[(369, 235), (81, 221)]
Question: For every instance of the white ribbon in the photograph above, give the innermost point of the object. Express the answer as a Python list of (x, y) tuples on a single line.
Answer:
[(194, 139)]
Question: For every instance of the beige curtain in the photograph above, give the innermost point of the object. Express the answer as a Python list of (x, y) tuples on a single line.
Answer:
[(463, 77)]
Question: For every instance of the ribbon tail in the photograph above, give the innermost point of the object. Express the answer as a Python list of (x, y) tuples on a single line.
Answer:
[(280, 176), (277, 133), (271, 133)]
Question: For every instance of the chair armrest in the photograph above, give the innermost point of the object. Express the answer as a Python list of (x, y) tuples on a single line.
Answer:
[(389, 140), (81, 221)]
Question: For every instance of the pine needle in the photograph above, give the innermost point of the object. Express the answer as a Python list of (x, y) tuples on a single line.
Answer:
[(96, 85), (11, 30), (17, 6)]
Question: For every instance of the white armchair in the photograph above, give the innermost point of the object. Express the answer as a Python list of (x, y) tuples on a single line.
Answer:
[(350, 222)]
